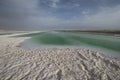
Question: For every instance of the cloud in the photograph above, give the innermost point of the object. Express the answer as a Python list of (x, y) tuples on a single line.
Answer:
[(17, 10), (105, 19), (29, 15), (54, 3), (24, 14)]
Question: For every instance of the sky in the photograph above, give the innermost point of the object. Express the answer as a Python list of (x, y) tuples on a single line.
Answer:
[(60, 14)]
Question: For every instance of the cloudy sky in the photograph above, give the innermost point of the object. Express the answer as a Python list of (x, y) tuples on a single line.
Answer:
[(59, 14)]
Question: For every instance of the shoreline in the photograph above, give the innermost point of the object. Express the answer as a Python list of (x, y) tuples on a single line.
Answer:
[(64, 64), (29, 45)]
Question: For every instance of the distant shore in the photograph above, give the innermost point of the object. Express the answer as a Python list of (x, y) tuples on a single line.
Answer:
[(93, 31), (89, 31)]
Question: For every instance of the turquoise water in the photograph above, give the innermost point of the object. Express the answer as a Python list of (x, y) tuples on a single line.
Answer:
[(103, 42)]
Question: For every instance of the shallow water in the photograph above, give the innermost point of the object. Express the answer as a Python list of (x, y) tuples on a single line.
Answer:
[(103, 43)]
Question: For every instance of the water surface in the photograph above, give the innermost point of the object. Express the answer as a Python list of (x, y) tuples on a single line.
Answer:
[(105, 43)]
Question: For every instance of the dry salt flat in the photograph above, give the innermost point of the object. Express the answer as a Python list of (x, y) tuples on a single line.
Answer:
[(17, 63)]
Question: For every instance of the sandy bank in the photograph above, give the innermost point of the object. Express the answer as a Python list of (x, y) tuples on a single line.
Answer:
[(54, 64)]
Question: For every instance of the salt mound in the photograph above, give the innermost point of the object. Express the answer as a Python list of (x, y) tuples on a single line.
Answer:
[(54, 64)]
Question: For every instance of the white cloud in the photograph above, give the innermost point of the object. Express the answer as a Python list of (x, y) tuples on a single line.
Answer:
[(77, 5), (54, 3), (104, 19)]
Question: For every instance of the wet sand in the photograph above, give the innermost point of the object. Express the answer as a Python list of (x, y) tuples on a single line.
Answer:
[(17, 63)]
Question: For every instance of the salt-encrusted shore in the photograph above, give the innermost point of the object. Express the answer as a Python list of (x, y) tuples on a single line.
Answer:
[(17, 63)]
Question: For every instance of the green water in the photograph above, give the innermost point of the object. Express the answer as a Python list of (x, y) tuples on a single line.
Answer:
[(111, 43)]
